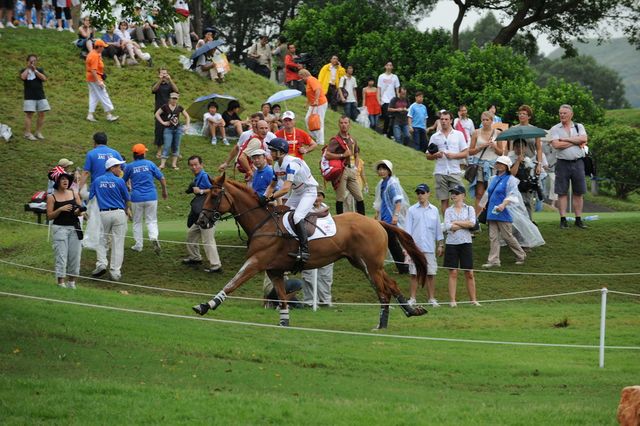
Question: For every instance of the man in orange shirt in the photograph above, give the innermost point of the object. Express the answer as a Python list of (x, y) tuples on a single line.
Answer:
[(316, 101), (95, 80), (299, 141)]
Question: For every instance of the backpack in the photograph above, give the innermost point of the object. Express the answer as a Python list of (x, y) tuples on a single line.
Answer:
[(331, 170)]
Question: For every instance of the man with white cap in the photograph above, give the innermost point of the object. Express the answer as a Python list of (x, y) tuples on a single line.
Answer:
[(263, 175), (300, 142), (113, 201), (144, 197)]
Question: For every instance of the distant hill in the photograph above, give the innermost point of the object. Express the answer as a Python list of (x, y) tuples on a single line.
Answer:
[(618, 55)]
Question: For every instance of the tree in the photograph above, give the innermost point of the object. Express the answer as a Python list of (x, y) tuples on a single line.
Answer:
[(604, 83), (615, 149)]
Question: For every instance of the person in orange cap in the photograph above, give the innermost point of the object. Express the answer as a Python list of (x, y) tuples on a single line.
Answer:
[(144, 197), (95, 79)]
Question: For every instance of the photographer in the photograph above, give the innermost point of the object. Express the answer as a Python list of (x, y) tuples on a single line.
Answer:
[(291, 67), (34, 97), (161, 91), (524, 168)]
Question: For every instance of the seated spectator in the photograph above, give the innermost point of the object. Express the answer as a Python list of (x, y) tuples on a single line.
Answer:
[(269, 117), (276, 111), (161, 33), (205, 64), (114, 49), (212, 122), (131, 47), (86, 35), (141, 30), (233, 124)]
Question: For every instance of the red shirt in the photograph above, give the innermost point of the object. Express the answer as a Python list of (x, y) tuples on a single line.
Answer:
[(291, 69), (296, 140)]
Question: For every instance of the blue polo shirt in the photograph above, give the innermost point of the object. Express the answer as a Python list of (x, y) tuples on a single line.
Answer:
[(201, 180), (94, 162), (418, 113), (110, 191), (262, 179), (141, 173)]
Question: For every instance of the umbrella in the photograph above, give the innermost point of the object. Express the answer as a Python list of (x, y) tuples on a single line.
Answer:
[(210, 45), (283, 95), (521, 132), (199, 106)]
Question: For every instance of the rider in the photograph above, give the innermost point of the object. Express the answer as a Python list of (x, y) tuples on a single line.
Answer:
[(300, 186)]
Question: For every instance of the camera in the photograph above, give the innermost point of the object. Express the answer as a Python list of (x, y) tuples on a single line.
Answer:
[(529, 181), (303, 59), (79, 209)]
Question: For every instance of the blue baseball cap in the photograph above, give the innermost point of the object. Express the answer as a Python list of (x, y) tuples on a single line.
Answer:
[(423, 187), (458, 189)]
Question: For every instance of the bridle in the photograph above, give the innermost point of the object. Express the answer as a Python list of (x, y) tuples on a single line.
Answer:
[(213, 215)]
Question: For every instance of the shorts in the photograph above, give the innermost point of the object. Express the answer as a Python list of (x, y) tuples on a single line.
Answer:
[(36, 3), (458, 256), (39, 105), (432, 264), (446, 182), (230, 131), (570, 171)]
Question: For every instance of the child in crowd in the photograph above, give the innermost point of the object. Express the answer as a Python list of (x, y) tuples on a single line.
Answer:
[(212, 122)]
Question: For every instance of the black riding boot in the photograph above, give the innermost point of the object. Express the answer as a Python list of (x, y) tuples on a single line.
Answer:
[(339, 207), (301, 232), (360, 207)]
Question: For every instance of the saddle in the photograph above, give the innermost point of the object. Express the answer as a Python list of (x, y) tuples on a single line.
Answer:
[(310, 220)]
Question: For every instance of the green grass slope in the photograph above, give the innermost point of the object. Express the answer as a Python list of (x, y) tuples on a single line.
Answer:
[(69, 134)]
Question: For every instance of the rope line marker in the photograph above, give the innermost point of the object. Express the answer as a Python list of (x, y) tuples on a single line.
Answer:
[(315, 330)]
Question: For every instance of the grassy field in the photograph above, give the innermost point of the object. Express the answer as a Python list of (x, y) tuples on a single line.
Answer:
[(74, 364)]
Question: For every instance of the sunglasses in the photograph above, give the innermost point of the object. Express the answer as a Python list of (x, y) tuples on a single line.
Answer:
[(420, 192)]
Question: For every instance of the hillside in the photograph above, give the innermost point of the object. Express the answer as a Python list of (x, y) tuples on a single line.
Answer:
[(618, 55), (25, 163)]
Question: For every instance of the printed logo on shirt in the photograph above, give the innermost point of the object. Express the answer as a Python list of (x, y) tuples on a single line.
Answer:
[(107, 184), (139, 169)]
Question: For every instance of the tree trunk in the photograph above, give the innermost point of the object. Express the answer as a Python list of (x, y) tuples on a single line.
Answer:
[(196, 10), (455, 36)]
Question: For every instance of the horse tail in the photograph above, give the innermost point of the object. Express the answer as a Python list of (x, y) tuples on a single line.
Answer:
[(407, 243)]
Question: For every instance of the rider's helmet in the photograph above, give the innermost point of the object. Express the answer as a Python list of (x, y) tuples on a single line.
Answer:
[(279, 144)]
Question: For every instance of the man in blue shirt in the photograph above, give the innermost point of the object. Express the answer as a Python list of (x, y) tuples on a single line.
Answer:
[(200, 187), (418, 122), (263, 175), (144, 197), (112, 197)]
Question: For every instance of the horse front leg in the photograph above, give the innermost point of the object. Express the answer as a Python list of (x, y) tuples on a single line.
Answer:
[(277, 279), (248, 270)]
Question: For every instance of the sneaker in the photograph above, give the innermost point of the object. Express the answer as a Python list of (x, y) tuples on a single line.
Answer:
[(30, 137), (563, 223), (30, 26), (62, 285), (71, 285), (39, 27), (142, 45), (475, 303), (434, 303), (411, 302), (156, 246), (217, 270), (91, 118), (99, 271), (491, 265), (39, 136), (136, 248), (115, 277), (214, 141), (10, 25), (520, 262), (225, 141), (60, 29), (189, 261), (71, 29), (155, 44), (112, 117), (453, 304)]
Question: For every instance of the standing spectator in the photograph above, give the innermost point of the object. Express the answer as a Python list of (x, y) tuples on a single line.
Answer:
[(493, 109), (324, 273), (264, 172), (212, 123), (423, 223), (502, 191), (350, 85), (63, 163), (388, 85), (530, 149), (113, 201), (345, 148), (316, 103), (64, 207), (35, 100), (38, 18), (64, 6), (464, 124), (169, 116), (97, 87), (417, 121), (181, 24), (260, 52), (483, 151), (329, 77), (161, 91), (237, 155), (569, 139), (114, 49), (398, 109), (391, 204), (86, 35), (448, 148), (300, 143), (279, 54), (291, 68), (458, 252), (200, 187), (144, 197), (371, 103), (7, 10)]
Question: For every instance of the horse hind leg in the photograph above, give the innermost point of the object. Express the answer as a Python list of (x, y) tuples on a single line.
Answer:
[(409, 311)]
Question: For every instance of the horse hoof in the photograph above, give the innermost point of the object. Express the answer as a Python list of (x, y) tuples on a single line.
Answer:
[(284, 323), (201, 309), (419, 311)]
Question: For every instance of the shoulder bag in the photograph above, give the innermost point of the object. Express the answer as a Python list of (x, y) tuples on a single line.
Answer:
[(314, 120)]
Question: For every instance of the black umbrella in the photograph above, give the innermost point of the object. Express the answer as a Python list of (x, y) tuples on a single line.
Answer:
[(521, 132), (210, 45)]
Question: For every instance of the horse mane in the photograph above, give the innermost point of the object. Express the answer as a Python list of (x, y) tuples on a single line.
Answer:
[(243, 188)]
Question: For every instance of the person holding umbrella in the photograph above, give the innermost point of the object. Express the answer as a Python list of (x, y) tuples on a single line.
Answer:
[(203, 57)]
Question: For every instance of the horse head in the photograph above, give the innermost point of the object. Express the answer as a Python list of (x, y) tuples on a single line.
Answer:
[(217, 203)]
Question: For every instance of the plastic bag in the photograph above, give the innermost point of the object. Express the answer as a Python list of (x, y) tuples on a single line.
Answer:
[(5, 132), (363, 117), (93, 231)]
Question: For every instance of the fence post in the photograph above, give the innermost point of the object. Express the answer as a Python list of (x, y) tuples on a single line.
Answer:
[(314, 281), (603, 314), (594, 186)]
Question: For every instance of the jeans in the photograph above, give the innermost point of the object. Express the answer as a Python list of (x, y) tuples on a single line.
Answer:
[(420, 139), (401, 132), (172, 138), (351, 110), (373, 121)]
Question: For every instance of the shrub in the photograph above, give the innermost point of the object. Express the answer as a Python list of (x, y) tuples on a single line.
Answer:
[(617, 153)]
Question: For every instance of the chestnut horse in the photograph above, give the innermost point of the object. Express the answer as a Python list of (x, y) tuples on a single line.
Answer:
[(362, 240)]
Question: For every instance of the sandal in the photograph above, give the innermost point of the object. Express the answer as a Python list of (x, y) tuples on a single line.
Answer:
[(175, 168)]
